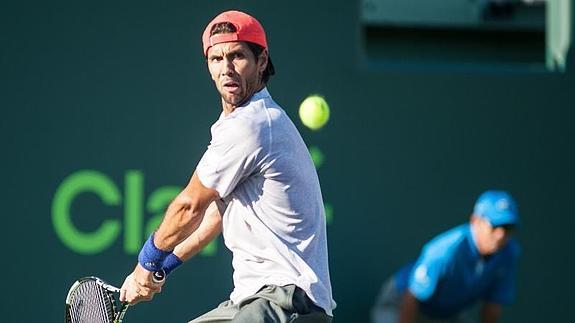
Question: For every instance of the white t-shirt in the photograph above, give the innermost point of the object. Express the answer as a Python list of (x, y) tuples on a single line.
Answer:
[(274, 222)]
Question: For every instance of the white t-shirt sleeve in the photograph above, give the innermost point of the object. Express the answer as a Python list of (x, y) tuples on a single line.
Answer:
[(230, 157)]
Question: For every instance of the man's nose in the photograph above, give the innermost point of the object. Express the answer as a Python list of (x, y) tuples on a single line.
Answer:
[(227, 67), (499, 233)]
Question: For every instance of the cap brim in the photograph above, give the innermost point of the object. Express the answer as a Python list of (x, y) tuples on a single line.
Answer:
[(503, 220)]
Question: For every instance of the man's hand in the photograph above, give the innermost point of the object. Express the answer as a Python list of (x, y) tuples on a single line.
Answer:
[(139, 286)]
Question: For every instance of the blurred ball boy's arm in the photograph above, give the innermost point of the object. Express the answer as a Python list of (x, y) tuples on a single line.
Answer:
[(490, 312), (408, 308)]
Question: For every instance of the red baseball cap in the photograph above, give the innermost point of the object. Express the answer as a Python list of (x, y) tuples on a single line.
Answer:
[(248, 29)]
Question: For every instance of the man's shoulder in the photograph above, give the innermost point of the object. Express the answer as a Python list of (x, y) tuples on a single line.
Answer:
[(234, 127), (446, 243), (254, 115), (245, 121)]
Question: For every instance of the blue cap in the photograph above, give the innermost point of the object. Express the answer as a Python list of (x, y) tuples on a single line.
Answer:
[(497, 207)]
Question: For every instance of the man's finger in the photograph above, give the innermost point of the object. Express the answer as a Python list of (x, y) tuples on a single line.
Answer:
[(122, 295), (144, 292)]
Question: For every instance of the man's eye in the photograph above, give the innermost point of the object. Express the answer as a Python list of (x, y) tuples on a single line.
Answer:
[(215, 59)]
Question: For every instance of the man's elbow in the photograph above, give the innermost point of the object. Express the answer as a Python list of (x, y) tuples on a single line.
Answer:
[(185, 210)]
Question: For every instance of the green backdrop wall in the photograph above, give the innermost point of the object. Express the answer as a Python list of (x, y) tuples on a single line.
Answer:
[(120, 88)]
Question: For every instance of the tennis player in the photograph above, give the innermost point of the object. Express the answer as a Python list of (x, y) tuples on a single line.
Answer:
[(473, 263), (257, 184)]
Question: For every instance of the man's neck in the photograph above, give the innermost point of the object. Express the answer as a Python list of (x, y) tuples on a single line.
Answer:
[(229, 108)]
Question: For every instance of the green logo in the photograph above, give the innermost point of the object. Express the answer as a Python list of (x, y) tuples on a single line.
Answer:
[(133, 202)]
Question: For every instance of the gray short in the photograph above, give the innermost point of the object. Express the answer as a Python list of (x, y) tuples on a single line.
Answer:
[(271, 304), (386, 309)]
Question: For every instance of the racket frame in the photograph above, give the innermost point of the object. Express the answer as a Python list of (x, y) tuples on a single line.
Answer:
[(110, 290)]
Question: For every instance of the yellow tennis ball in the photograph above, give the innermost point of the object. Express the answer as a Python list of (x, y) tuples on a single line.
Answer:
[(314, 112)]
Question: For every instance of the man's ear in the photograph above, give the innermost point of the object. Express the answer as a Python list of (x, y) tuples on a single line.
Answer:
[(474, 218), (263, 61)]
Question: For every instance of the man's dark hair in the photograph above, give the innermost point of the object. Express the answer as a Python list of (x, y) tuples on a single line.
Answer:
[(226, 27)]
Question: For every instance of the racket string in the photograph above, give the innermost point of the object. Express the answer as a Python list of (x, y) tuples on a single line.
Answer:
[(91, 303)]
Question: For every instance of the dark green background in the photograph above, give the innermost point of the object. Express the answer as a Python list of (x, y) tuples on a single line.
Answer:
[(119, 85)]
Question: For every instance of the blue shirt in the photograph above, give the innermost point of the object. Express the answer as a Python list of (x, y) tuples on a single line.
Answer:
[(450, 274)]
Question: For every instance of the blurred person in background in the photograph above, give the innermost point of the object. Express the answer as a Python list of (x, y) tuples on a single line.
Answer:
[(472, 265)]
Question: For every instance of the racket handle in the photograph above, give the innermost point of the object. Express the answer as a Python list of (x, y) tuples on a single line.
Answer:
[(159, 276)]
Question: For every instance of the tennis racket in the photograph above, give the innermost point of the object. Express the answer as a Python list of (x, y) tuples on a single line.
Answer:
[(92, 300)]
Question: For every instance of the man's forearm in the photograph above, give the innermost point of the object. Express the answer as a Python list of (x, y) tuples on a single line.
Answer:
[(184, 215), (209, 228), (180, 221)]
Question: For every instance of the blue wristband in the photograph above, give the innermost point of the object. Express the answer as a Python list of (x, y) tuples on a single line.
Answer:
[(150, 257), (171, 262)]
